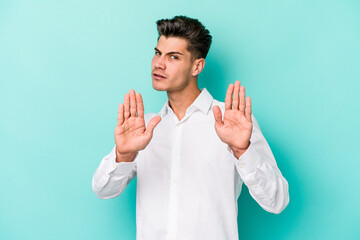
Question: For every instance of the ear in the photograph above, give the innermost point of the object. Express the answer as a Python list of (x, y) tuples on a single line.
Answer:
[(198, 66)]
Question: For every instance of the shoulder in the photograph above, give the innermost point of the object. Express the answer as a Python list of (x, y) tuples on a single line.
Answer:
[(218, 103), (221, 105), (149, 116)]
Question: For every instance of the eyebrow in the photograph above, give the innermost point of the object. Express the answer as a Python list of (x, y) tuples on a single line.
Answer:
[(169, 52)]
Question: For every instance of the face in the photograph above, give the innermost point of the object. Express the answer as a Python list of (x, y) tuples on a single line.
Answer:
[(172, 66)]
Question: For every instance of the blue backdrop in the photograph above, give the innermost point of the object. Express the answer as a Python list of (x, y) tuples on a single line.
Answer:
[(65, 66)]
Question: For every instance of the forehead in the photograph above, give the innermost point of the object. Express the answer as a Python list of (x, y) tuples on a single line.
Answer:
[(172, 44)]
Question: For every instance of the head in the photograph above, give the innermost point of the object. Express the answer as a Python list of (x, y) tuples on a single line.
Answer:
[(182, 46)]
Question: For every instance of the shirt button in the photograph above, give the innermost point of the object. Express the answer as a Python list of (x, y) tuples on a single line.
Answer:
[(240, 165), (176, 153), (173, 180), (178, 124)]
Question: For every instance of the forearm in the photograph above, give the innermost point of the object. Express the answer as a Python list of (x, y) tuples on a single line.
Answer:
[(111, 178), (264, 180), (258, 169)]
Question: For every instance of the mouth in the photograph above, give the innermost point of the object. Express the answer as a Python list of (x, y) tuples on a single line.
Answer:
[(158, 76)]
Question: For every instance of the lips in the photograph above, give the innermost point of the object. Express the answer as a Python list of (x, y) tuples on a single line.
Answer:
[(158, 75)]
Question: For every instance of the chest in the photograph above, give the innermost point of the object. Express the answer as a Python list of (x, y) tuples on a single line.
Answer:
[(192, 146)]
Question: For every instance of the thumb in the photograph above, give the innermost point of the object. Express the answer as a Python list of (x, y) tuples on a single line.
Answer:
[(152, 124), (217, 116)]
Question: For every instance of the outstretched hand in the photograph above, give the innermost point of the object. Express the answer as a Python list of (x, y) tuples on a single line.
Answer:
[(131, 134), (236, 128)]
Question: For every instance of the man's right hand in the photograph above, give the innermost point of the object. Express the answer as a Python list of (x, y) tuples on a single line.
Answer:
[(131, 134)]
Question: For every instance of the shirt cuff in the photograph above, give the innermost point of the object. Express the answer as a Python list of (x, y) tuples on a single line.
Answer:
[(114, 168), (248, 161)]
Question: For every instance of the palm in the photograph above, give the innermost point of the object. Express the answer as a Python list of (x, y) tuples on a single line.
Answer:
[(131, 134), (236, 127)]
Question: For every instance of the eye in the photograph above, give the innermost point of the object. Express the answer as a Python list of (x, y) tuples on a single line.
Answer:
[(174, 57), (157, 53)]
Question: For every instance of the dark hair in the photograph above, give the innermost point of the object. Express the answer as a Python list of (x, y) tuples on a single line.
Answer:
[(190, 29)]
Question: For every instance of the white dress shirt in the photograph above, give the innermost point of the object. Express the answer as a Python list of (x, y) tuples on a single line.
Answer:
[(188, 180)]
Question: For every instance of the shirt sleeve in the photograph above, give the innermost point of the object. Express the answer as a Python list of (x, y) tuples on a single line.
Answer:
[(258, 170), (111, 178)]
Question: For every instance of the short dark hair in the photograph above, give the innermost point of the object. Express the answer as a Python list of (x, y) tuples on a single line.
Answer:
[(190, 29)]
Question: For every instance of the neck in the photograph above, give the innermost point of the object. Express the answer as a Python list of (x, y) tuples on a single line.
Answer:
[(180, 100)]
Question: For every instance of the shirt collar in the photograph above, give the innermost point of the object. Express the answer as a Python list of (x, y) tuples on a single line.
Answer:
[(202, 102)]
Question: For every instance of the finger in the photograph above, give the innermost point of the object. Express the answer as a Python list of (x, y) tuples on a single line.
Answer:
[(152, 124), (248, 109), (235, 99), (140, 105), (132, 103), (120, 118), (217, 116), (242, 99), (228, 97), (127, 106)]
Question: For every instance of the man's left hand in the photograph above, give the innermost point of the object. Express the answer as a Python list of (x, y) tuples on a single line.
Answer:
[(235, 130)]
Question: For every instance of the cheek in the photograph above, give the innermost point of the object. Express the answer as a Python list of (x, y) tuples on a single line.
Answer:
[(152, 62), (186, 71)]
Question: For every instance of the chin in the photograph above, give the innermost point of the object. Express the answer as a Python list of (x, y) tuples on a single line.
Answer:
[(158, 86)]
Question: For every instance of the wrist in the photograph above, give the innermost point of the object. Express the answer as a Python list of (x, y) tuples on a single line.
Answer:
[(125, 157), (238, 152)]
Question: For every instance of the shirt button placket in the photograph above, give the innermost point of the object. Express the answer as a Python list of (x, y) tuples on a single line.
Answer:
[(173, 204)]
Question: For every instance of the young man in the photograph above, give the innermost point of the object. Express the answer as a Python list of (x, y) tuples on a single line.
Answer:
[(192, 158)]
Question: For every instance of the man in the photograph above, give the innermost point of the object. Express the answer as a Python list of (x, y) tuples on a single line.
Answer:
[(192, 158)]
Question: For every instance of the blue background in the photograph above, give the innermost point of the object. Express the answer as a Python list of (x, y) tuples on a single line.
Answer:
[(65, 66)]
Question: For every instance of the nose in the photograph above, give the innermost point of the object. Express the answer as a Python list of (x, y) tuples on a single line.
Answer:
[(159, 62)]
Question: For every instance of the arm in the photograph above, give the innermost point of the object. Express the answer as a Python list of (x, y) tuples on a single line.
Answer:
[(253, 158), (111, 178), (258, 169), (118, 168)]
